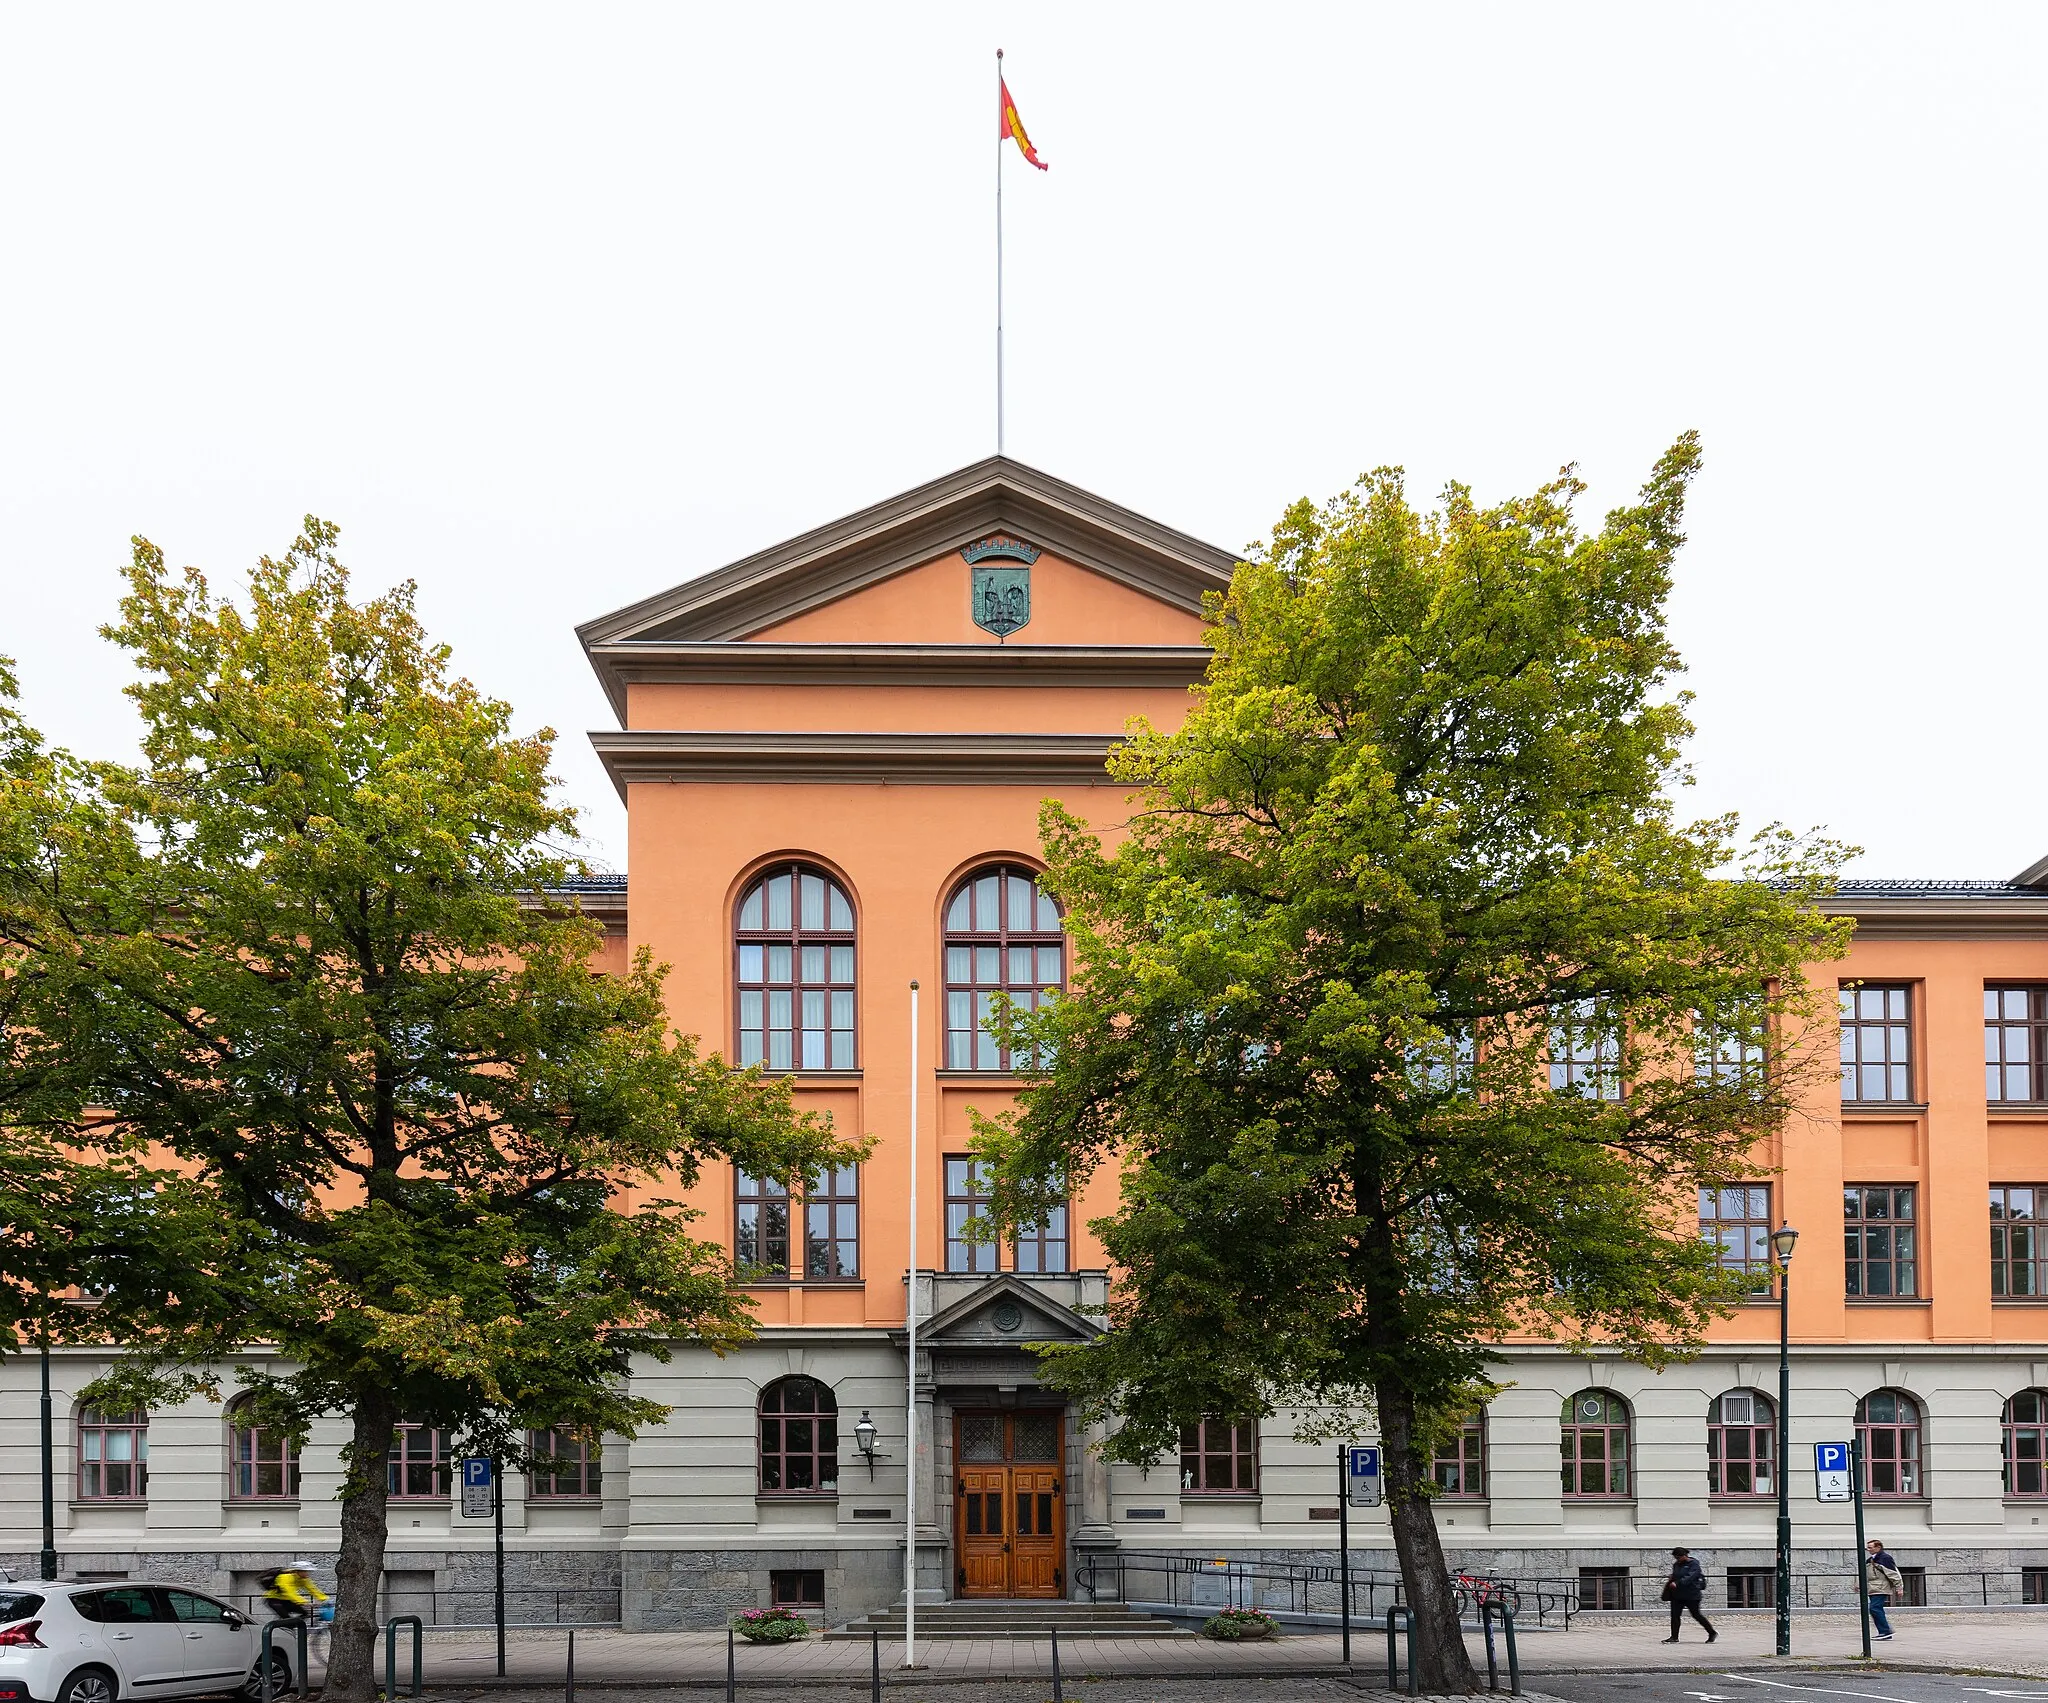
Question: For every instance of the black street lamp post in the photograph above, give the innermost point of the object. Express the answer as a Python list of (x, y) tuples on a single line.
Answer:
[(49, 1555), (1783, 1240)]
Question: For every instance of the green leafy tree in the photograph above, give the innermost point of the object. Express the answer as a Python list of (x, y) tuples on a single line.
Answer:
[(302, 961), (1409, 858)]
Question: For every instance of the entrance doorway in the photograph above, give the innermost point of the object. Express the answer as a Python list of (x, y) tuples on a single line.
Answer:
[(1009, 1504)]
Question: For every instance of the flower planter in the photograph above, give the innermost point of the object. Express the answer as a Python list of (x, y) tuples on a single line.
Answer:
[(771, 1626), (1240, 1626)]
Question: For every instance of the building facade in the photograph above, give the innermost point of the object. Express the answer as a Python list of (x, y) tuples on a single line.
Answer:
[(833, 756)]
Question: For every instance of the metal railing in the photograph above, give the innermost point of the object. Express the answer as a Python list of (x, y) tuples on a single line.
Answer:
[(1929, 1587), (473, 1606), (1193, 1583)]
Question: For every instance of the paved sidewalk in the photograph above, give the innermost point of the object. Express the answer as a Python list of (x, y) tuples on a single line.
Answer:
[(2011, 1642)]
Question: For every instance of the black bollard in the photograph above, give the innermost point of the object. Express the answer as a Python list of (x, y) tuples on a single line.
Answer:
[(569, 1679), (875, 1673), (1058, 1694), (731, 1680)]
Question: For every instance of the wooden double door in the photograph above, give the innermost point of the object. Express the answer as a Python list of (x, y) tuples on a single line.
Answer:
[(1009, 1504)]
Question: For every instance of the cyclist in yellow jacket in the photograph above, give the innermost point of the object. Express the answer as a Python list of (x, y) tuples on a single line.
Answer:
[(292, 1594)]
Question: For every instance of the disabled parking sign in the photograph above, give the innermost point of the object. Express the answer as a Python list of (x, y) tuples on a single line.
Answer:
[(1831, 1473), (1362, 1475)]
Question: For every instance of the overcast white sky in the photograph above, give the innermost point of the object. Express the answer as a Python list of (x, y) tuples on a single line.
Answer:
[(550, 308)]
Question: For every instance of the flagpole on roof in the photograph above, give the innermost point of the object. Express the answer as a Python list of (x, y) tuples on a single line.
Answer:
[(1001, 138)]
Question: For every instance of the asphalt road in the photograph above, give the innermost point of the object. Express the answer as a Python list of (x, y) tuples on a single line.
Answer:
[(1735, 1686)]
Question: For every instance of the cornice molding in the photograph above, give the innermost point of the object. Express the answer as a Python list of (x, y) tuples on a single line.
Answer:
[(918, 526), (623, 662), (2015, 916), (857, 759)]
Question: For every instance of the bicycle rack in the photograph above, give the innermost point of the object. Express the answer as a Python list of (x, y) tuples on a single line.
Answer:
[(265, 1650), (391, 1627), (1488, 1608), (1408, 1627)]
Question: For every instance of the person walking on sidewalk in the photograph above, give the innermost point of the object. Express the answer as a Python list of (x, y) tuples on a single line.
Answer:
[(1683, 1591), (1885, 1583)]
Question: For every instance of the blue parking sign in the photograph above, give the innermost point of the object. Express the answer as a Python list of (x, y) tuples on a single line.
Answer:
[(1362, 1475), (1831, 1473), (476, 1487)]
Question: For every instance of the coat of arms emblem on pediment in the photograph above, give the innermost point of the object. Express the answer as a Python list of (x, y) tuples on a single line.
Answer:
[(1000, 582)]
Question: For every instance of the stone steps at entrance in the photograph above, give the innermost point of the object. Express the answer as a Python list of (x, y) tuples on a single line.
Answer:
[(995, 1618)]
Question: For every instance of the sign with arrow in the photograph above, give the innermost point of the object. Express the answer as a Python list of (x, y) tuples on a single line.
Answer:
[(1831, 1473)]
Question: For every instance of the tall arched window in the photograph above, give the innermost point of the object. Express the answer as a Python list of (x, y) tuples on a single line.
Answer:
[(794, 951), (1596, 1445), (1002, 936), (1889, 1424), (262, 1464), (1741, 1445), (2026, 1444), (799, 1438), (113, 1456)]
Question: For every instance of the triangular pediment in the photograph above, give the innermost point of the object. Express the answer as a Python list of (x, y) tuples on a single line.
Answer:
[(1005, 1312), (908, 531)]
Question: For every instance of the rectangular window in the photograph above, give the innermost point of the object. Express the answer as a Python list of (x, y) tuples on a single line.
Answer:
[(761, 1226), (113, 1456), (1219, 1457), (796, 1587), (1879, 1242), (419, 1464), (1877, 1044), (566, 1467), (1736, 1218), (2019, 1258), (1460, 1464), (1603, 1587), (966, 1205), (2016, 1044), (266, 1467), (1752, 1587), (2034, 1584), (1585, 1051), (1915, 1593), (1727, 1044), (1042, 1247), (832, 1225)]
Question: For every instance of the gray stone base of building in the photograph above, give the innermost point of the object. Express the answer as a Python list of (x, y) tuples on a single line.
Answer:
[(667, 1590)]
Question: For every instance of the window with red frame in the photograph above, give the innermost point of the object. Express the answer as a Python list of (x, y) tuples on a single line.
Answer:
[(113, 1456), (1220, 1457), (1460, 1464), (419, 1464), (565, 1466), (1741, 1445), (1889, 1425), (2026, 1444), (799, 1438), (1596, 1445), (263, 1465)]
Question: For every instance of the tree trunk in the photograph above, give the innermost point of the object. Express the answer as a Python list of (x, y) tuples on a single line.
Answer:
[(1442, 1665), (352, 1660)]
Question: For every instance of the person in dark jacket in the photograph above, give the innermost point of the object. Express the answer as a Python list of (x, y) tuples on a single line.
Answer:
[(1684, 1588), (1885, 1583)]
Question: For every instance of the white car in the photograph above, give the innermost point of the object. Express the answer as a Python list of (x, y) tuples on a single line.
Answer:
[(66, 1642)]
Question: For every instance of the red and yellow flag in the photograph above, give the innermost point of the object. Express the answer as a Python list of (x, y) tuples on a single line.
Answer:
[(1009, 124)]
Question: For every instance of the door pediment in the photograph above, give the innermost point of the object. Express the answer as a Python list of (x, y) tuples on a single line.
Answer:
[(1006, 1312)]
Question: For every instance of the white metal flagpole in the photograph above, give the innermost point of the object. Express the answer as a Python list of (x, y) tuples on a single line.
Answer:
[(1001, 138), (910, 1380)]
